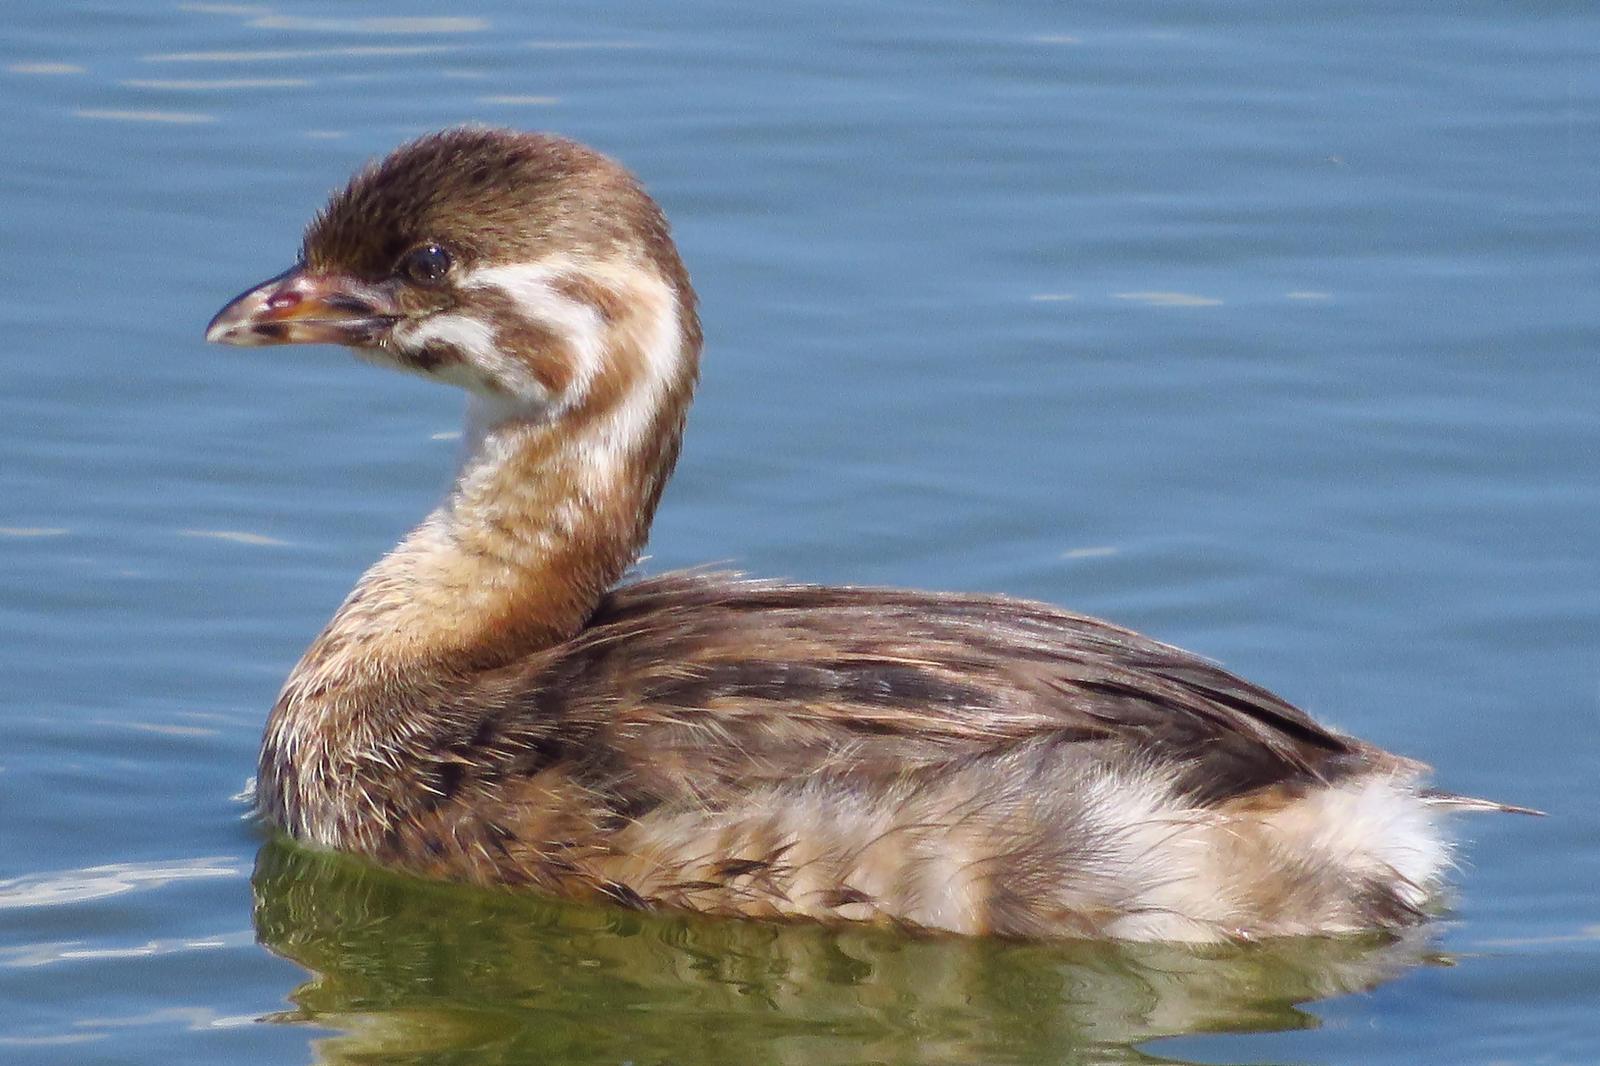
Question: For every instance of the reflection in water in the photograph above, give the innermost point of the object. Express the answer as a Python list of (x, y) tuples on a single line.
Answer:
[(404, 968)]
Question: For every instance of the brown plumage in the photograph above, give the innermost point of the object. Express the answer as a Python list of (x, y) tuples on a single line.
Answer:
[(489, 706)]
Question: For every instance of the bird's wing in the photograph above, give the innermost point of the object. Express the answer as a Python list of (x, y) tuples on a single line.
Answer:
[(699, 685)]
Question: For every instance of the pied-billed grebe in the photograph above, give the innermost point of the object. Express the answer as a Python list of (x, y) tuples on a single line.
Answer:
[(490, 706)]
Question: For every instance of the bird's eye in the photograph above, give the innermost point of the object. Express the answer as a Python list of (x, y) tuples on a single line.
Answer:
[(426, 264)]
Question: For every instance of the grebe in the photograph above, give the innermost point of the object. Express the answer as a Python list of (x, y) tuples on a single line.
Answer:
[(489, 705)]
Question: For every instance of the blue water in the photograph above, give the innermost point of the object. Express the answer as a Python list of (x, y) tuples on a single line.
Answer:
[(1269, 329)]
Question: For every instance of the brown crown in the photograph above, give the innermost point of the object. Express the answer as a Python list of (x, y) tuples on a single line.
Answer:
[(489, 196)]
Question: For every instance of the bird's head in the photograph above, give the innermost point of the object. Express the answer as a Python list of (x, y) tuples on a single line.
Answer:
[(524, 267)]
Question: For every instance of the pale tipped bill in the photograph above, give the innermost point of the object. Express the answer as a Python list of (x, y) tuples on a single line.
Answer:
[(301, 307)]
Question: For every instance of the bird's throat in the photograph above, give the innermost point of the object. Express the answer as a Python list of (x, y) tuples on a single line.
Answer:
[(537, 526)]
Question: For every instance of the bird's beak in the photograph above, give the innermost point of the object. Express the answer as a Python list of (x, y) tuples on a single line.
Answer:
[(301, 307)]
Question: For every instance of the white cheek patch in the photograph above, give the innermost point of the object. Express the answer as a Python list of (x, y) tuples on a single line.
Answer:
[(470, 336), (580, 326), (481, 358)]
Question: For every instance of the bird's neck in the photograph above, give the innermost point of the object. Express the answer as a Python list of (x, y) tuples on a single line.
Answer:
[(581, 380), (550, 506), (536, 527)]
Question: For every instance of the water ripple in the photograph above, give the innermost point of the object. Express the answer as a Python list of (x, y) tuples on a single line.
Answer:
[(191, 1018), (371, 25), (178, 118), (525, 101), (44, 954), (44, 68), (1168, 299), (269, 55), (580, 46), (235, 536), (211, 84), (244, 10), (112, 879)]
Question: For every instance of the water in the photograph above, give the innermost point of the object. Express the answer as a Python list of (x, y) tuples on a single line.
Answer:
[(1268, 329)]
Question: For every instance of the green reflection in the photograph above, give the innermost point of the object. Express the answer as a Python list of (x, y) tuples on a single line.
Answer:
[(413, 971)]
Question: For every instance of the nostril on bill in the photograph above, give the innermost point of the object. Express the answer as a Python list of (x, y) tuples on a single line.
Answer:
[(350, 304), (282, 301)]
